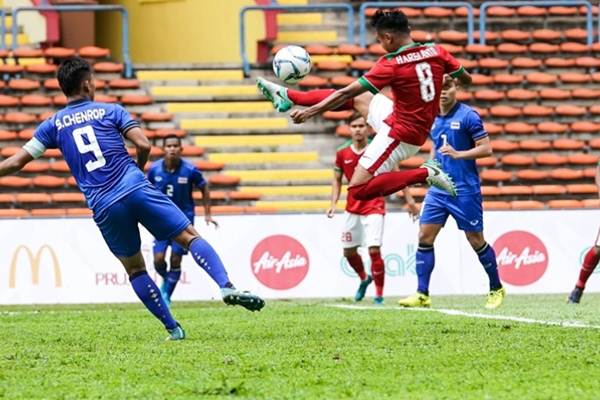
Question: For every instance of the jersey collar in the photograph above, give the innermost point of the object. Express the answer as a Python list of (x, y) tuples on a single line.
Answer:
[(356, 151), (164, 166), (452, 111), (401, 49), (77, 102)]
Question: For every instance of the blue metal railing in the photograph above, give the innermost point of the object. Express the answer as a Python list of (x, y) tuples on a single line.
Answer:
[(312, 8), (538, 3), (3, 28), (362, 14), (124, 22)]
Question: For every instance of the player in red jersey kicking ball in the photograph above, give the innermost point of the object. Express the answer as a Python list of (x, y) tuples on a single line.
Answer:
[(415, 73), (364, 218), (590, 261)]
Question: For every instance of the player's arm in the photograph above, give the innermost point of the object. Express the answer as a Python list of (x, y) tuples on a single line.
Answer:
[(142, 145), (15, 163), (482, 149), (411, 205), (206, 203), (333, 101), (336, 189)]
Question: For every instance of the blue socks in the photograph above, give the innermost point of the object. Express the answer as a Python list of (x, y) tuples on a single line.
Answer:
[(208, 259), (171, 280), (425, 262), (487, 258), (148, 292), (161, 269)]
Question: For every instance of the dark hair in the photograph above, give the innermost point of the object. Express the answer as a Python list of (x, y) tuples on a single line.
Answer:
[(390, 21), (355, 115), (71, 73), (171, 136)]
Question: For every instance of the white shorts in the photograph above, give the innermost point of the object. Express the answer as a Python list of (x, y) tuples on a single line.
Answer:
[(384, 152), (362, 229)]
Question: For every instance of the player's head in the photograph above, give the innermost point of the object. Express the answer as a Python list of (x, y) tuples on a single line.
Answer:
[(172, 147), (75, 78), (359, 130), (449, 90), (392, 29)]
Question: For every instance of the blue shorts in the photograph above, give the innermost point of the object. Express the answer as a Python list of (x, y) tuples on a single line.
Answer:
[(160, 246), (147, 206), (467, 210)]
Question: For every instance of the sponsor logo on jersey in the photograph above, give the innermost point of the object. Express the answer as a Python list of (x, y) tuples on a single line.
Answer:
[(182, 179), (521, 256), (158, 178), (279, 262), (455, 125)]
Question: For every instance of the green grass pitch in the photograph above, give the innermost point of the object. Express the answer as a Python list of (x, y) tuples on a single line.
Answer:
[(303, 350)]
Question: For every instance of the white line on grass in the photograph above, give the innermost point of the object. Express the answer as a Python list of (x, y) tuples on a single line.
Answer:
[(562, 324)]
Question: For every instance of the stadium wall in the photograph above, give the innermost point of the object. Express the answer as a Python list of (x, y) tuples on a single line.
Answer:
[(181, 31), (284, 256)]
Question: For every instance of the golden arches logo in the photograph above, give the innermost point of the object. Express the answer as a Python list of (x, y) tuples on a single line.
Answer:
[(34, 264)]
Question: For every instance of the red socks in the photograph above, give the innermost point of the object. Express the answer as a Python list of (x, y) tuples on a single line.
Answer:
[(378, 272), (356, 263), (388, 183), (313, 97), (589, 264)]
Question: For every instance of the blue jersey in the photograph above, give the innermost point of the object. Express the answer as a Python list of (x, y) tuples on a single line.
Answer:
[(460, 128), (178, 184), (90, 137)]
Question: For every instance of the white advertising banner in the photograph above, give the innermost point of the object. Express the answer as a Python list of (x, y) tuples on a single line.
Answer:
[(297, 256)]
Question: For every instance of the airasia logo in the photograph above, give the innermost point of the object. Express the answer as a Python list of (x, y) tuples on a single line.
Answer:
[(279, 262), (521, 256)]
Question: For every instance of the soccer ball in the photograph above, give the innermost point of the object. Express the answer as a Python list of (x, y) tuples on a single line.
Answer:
[(291, 64)]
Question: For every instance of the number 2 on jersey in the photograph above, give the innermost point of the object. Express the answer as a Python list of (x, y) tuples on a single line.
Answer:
[(426, 81), (93, 146)]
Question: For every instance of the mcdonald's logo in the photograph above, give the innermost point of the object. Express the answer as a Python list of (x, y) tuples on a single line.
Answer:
[(34, 264)]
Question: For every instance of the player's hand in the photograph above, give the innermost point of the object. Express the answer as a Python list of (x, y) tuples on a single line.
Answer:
[(209, 221), (300, 116), (448, 150), (413, 211), (330, 212)]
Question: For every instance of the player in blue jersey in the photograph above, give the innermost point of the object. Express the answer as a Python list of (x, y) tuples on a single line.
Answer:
[(91, 137), (459, 139), (176, 178)]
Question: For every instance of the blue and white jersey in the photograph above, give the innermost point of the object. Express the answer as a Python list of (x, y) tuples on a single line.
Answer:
[(90, 137), (179, 184), (460, 128)]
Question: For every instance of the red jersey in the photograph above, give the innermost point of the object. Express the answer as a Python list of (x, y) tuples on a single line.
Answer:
[(346, 160), (415, 73)]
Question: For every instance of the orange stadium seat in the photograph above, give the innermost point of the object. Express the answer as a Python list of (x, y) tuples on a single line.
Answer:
[(565, 174), (438, 12), (149, 116), (361, 65), (79, 212), (351, 49), (589, 172), (9, 101), (136, 99), (543, 48), (570, 110), (453, 36), (52, 153), (518, 160), (312, 81), (574, 48), (568, 144), (462, 12), (496, 205), (103, 98), (411, 12), (552, 127), (516, 190), (48, 212), (496, 175), (376, 49), (204, 165), (59, 166), (521, 95), (550, 159), (93, 52), (108, 67), (591, 203), (48, 181), (342, 80), (479, 79), (7, 135), (11, 69), (41, 69), (223, 180), (595, 144), (519, 128), (515, 35), (217, 195), (319, 50), (13, 213), (36, 100), (563, 11), (493, 63), (526, 205), (582, 188), (585, 126), (67, 197), (503, 111), (499, 11), (541, 78), (508, 79), (525, 62), (489, 95), (59, 52), (557, 62), (453, 49), (534, 145), (33, 198), (337, 115), (490, 190), (7, 198), (422, 36), (19, 118), (511, 48), (587, 62), (585, 93), (244, 196), (36, 167), (124, 84), (582, 159), (332, 65), (565, 203), (534, 110), (486, 162), (23, 84), (532, 174), (493, 129), (27, 52), (480, 49)]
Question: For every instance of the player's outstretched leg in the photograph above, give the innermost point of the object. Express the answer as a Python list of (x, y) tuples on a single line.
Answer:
[(438, 178), (174, 274), (378, 273), (590, 261), (283, 98)]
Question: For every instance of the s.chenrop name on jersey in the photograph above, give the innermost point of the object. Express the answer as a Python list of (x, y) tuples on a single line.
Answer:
[(79, 117)]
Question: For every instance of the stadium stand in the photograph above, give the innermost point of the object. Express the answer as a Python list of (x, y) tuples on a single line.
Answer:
[(535, 84)]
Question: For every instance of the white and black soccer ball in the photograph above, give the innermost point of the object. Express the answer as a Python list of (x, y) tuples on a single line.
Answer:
[(291, 64)]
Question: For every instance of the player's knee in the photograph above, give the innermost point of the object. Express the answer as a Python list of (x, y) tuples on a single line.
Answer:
[(426, 239), (175, 262), (375, 251), (476, 240), (160, 266), (350, 252), (359, 192), (597, 250)]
